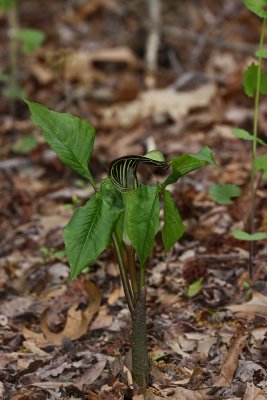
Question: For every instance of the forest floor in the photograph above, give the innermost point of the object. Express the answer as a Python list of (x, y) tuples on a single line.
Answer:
[(211, 344)]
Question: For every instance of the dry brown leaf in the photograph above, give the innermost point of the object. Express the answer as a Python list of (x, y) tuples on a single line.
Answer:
[(77, 320), (91, 7), (155, 103), (76, 324), (186, 343), (179, 394), (79, 65), (103, 320), (114, 297), (37, 338), (231, 360), (253, 393), (43, 74), (92, 395), (92, 373), (257, 305)]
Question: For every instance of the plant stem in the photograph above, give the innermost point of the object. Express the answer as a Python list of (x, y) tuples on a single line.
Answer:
[(140, 362), (142, 276), (120, 257), (254, 152), (123, 274), (132, 268), (13, 51)]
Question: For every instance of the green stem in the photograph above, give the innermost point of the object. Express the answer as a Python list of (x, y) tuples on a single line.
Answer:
[(123, 274), (254, 150), (132, 268), (120, 257)]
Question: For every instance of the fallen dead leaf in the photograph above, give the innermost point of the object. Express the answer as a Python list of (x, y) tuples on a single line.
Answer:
[(93, 396), (253, 393), (90, 8), (250, 371), (103, 320), (231, 360), (76, 324), (184, 343), (31, 346), (177, 394), (80, 64), (2, 389), (77, 320), (92, 373), (155, 103), (257, 305)]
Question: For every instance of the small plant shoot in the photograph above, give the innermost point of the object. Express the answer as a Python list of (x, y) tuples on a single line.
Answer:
[(123, 213), (255, 85)]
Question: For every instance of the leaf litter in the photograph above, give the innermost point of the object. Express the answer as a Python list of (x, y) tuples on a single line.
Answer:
[(71, 342)]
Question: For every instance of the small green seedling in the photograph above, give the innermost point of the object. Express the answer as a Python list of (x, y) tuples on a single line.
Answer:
[(25, 145), (195, 287), (122, 213), (50, 254), (254, 84), (223, 193)]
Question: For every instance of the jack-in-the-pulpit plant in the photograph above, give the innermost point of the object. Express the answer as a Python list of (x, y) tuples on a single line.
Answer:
[(122, 213)]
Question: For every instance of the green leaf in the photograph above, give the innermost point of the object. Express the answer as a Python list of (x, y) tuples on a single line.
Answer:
[(241, 235), (155, 155), (4, 77), (181, 166), (205, 154), (89, 231), (195, 288), (222, 193), (259, 7), (260, 162), (142, 219), (14, 92), (25, 145), (261, 53), (242, 134), (186, 163), (5, 5), (250, 80), (70, 137), (31, 39), (173, 228)]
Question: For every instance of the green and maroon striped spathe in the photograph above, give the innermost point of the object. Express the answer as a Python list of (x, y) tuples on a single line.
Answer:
[(122, 171)]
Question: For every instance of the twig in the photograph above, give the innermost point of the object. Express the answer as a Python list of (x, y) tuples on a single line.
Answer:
[(217, 42), (153, 41), (13, 51), (204, 37)]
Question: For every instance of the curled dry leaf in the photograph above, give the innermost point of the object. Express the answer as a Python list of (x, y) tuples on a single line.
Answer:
[(257, 305), (231, 360), (76, 324), (155, 103)]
